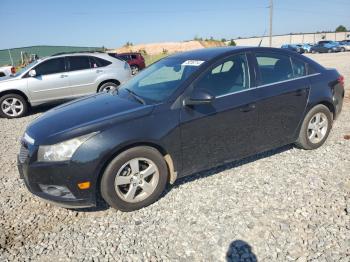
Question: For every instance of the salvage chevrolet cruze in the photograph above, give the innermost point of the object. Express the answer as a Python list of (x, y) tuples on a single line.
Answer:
[(188, 112)]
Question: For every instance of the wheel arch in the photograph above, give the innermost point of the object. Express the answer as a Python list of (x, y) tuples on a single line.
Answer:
[(167, 157), (328, 104), (17, 92), (115, 81)]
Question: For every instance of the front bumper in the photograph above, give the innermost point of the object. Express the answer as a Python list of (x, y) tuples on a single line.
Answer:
[(62, 174)]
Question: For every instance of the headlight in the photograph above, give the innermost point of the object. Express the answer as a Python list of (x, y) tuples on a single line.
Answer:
[(62, 151)]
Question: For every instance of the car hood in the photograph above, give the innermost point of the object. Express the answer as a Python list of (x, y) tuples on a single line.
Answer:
[(7, 79), (83, 116)]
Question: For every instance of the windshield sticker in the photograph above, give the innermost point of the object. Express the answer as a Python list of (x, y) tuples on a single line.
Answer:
[(192, 63)]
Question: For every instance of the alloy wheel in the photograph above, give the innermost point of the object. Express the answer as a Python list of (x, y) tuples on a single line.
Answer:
[(109, 88), (12, 107), (317, 128), (134, 70), (136, 180)]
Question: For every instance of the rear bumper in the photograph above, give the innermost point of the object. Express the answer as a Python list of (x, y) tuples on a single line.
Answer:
[(37, 176)]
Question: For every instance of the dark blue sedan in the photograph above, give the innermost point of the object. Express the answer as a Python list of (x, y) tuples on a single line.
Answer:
[(188, 112)]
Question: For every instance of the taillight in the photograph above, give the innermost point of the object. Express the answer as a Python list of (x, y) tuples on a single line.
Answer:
[(13, 70), (341, 80)]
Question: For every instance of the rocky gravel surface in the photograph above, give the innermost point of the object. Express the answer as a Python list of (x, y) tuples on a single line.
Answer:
[(283, 205)]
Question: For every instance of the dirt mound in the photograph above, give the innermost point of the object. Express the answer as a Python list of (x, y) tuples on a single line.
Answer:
[(169, 47)]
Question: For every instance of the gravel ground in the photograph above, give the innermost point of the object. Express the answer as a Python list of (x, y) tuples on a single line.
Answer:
[(283, 205)]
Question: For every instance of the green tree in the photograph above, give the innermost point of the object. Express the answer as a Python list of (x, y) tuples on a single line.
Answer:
[(341, 28), (232, 43)]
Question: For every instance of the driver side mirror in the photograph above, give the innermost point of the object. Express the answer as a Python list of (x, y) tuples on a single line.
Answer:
[(199, 97), (32, 73)]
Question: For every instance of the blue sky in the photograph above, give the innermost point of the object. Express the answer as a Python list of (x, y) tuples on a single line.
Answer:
[(112, 23)]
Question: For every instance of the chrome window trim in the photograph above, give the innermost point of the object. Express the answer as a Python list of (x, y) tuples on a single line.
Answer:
[(270, 84)]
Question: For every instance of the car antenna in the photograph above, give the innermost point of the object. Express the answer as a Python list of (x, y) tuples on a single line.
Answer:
[(262, 38)]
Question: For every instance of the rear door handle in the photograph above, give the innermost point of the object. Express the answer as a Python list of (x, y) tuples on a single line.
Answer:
[(247, 108), (99, 71), (63, 76)]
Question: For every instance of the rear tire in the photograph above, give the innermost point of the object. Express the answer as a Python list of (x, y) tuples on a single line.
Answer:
[(134, 179), (107, 87), (134, 69), (315, 128), (13, 106)]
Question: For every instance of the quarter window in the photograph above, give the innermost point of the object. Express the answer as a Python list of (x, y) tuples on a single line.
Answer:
[(78, 63), (230, 76), (52, 66), (274, 67), (98, 62), (299, 67)]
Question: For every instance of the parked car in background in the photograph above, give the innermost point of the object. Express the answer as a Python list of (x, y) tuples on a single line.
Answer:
[(294, 48), (188, 112), (305, 47), (345, 44), (7, 70), (338, 47), (135, 60), (60, 77), (325, 48), (322, 42)]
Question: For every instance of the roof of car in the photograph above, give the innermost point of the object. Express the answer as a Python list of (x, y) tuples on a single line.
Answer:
[(97, 54), (210, 53)]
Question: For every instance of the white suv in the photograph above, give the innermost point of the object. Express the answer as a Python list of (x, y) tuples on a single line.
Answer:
[(60, 77)]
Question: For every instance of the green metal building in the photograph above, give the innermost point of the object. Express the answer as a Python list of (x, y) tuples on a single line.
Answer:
[(13, 56)]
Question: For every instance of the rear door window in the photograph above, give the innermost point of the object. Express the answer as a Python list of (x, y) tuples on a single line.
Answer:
[(52, 66), (78, 63), (274, 67)]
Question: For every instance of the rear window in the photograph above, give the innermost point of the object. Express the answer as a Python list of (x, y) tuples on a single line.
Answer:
[(124, 57), (78, 63)]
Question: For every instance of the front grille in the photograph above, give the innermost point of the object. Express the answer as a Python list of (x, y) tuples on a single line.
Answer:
[(23, 153)]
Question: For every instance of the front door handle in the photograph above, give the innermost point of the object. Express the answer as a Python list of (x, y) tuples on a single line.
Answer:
[(63, 76), (247, 108), (99, 71)]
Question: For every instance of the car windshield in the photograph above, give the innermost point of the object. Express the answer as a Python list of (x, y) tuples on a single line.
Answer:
[(160, 80), (23, 69)]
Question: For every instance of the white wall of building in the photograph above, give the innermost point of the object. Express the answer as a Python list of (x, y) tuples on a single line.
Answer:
[(279, 40)]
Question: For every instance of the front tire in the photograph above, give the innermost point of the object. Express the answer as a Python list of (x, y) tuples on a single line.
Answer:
[(315, 128), (108, 87), (13, 106), (134, 179)]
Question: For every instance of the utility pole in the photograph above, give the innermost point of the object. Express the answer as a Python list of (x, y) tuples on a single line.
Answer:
[(271, 14)]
